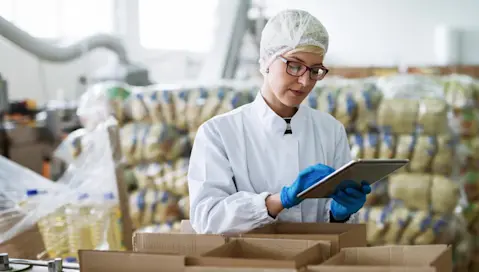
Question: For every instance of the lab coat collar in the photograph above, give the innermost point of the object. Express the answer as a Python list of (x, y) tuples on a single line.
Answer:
[(275, 123)]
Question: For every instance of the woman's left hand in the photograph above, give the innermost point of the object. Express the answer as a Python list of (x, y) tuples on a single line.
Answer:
[(348, 200)]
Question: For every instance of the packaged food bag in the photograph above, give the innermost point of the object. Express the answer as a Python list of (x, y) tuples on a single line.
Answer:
[(168, 107), (196, 100), (356, 143), (432, 117), (413, 189), (367, 99), (399, 219), (153, 105), (415, 227), (139, 110), (165, 208), (398, 116), (180, 100), (159, 142), (423, 154), (213, 103), (441, 163), (387, 147), (346, 108), (371, 146), (444, 194), (233, 100), (327, 100)]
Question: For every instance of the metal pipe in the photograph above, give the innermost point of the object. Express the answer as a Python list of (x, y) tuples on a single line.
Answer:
[(52, 53)]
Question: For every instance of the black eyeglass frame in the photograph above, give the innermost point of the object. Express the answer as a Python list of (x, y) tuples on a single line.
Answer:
[(287, 62)]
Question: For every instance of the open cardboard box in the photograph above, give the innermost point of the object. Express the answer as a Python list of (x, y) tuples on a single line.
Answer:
[(104, 261), (340, 235), (261, 253), (176, 243), (436, 258)]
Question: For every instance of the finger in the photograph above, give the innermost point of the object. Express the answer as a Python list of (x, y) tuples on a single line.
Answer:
[(354, 193), (343, 199), (366, 189)]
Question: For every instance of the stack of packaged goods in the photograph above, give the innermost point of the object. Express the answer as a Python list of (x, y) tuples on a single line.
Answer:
[(462, 94), (158, 126), (79, 211), (405, 117)]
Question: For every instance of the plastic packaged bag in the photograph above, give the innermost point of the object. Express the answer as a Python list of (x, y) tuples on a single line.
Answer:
[(346, 108), (413, 189), (399, 219), (71, 147), (212, 103), (196, 100), (398, 116), (139, 108), (441, 163), (61, 210), (180, 100), (367, 99), (371, 146), (424, 151), (153, 105), (356, 143), (445, 194), (387, 146)]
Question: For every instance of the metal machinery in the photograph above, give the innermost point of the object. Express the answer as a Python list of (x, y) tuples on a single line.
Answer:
[(60, 117), (17, 265), (238, 18)]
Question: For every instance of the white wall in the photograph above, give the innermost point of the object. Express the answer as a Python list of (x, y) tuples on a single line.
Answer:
[(363, 32), (372, 32)]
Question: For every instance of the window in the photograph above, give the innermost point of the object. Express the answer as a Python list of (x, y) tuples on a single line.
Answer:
[(186, 25), (60, 19)]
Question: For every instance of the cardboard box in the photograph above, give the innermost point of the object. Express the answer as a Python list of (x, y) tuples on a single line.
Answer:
[(390, 258), (176, 243), (261, 253), (103, 261), (237, 269), (340, 235)]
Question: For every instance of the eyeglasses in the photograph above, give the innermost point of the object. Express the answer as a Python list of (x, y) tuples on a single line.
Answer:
[(298, 69)]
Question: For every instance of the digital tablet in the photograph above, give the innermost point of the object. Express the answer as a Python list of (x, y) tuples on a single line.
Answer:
[(370, 170)]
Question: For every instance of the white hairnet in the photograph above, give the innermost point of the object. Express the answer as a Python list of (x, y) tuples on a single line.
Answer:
[(286, 31)]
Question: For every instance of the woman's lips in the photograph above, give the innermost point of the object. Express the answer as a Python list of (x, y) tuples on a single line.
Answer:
[(297, 92)]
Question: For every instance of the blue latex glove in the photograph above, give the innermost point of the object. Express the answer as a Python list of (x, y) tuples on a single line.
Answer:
[(348, 198), (305, 179)]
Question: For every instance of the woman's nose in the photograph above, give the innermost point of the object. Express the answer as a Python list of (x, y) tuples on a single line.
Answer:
[(305, 78)]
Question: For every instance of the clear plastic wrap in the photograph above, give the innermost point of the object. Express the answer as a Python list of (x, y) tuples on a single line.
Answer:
[(412, 104), (79, 211), (102, 100)]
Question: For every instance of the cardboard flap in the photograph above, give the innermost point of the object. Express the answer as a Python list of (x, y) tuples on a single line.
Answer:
[(305, 228), (101, 261), (261, 253), (235, 269), (253, 248), (176, 243), (389, 255), (328, 268), (340, 235)]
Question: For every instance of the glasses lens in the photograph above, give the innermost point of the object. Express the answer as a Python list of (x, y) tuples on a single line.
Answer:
[(295, 68), (317, 73)]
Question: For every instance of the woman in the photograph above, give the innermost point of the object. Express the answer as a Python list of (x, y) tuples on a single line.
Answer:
[(248, 165)]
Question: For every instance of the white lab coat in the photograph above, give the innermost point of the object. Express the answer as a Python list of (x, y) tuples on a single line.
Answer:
[(241, 157)]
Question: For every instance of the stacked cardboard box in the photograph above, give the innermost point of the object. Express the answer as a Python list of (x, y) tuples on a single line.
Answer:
[(277, 247)]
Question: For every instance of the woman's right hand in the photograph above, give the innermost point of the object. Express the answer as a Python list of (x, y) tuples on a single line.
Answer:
[(305, 179)]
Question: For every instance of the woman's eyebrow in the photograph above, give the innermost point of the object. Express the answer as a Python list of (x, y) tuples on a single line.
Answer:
[(302, 61)]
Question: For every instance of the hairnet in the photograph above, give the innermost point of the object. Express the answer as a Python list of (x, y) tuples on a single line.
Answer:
[(288, 30)]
